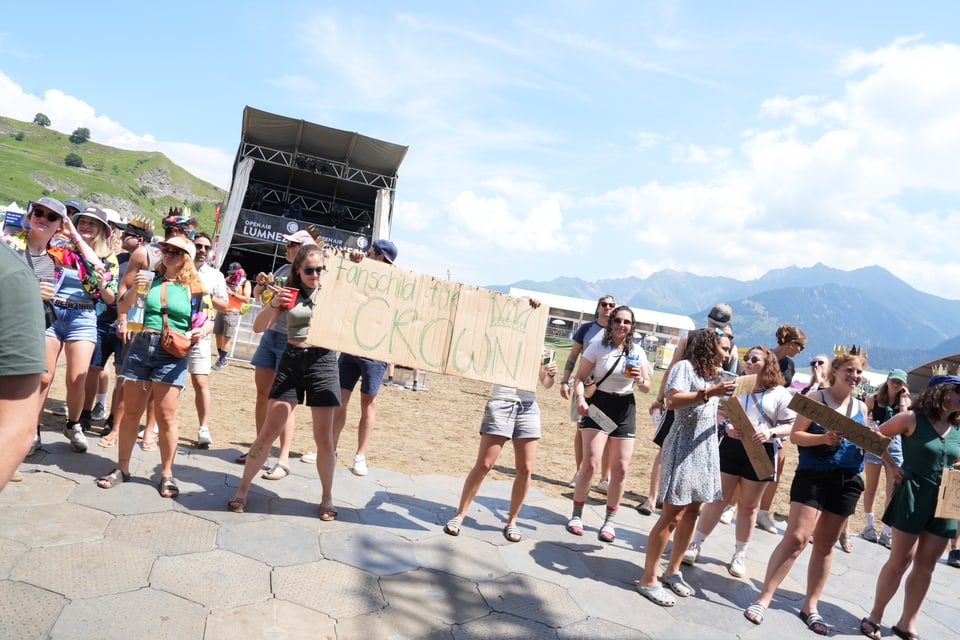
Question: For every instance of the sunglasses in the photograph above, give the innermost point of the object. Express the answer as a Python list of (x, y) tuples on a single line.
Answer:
[(46, 213), (170, 251), (622, 321), (130, 235), (753, 359), (189, 233), (817, 363), (203, 247), (798, 344), (608, 304), (293, 245), (312, 271)]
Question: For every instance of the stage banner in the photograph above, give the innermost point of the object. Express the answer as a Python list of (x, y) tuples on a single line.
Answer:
[(263, 226), (375, 310)]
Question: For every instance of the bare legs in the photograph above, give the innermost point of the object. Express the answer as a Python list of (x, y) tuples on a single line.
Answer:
[(490, 447), (263, 379)]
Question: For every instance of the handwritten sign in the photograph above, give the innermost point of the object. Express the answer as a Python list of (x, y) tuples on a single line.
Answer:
[(379, 311), (745, 385), (603, 420), (756, 453), (860, 435), (948, 499)]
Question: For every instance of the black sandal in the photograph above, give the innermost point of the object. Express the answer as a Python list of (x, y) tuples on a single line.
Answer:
[(168, 487), (112, 479)]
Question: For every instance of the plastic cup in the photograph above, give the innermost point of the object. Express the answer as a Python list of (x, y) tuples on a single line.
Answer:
[(144, 289), (292, 300), (47, 288)]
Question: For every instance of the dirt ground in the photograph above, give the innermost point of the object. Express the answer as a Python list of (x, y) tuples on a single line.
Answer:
[(423, 432)]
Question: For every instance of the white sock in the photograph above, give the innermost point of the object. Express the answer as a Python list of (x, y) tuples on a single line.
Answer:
[(887, 530), (102, 398), (869, 517), (761, 512), (698, 538), (741, 547)]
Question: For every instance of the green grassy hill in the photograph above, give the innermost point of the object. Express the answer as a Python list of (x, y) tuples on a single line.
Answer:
[(132, 182)]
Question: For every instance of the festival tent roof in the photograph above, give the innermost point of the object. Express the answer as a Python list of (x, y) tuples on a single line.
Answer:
[(13, 207)]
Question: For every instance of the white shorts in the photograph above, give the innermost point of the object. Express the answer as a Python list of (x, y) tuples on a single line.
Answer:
[(199, 363)]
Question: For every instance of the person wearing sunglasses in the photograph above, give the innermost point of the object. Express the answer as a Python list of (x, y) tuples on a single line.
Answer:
[(690, 471), (269, 352), (304, 372), (766, 407), (826, 488), (585, 334), (605, 361), (176, 298)]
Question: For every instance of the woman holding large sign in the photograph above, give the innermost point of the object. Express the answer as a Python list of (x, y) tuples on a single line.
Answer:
[(766, 408), (930, 440), (303, 371), (824, 493)]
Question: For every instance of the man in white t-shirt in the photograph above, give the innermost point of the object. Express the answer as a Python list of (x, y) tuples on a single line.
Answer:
[(199, 363)]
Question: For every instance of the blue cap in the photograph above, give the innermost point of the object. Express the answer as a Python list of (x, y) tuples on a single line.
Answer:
[(387, 249), (941, 379)]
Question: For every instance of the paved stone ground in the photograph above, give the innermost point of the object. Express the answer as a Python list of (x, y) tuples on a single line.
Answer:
[(80, 562)]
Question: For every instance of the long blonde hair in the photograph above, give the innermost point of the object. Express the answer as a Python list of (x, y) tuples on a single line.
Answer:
[(187, 274)]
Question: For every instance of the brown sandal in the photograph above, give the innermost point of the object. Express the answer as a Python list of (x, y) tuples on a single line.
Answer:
[(237, 505), (328, 513), (168, 487)]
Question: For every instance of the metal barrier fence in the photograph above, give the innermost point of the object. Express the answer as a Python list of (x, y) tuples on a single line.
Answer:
[(246, 341)]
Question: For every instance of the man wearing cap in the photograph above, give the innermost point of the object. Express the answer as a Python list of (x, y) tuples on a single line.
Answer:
[(228, 322), (353, 368), (199, 363)]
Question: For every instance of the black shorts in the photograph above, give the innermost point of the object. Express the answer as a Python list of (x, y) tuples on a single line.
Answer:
[(310, 371), (734, 460), (108, 343), (620, 409), (836, 491)]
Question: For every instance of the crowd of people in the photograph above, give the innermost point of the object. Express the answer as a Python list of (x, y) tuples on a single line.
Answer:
[(150, 302)]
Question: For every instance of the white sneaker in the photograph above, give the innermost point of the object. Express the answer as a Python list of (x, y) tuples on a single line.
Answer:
[(737, 568), (74, 433), (34, 445), (765, 522), (204, 438), (691, 555), (602, 486), (727, 516), (309, 458), (573, 480), (98, 413), (885, 540), (359, 465), (870, 534)]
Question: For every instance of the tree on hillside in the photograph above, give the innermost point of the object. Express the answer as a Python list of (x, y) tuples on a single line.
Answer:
[(73, 160), (41, 120), (80, 135)]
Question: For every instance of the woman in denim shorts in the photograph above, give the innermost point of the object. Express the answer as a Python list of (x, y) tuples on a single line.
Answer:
[(148, 367)]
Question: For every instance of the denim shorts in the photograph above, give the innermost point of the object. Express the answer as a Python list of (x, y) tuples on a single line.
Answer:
[(147, 361), (310, 372), (895, 450), (108, 344), (74, 324), (352, 368), (270, 350)]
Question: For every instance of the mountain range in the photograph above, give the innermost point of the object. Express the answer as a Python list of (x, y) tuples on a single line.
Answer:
[(870, 307)]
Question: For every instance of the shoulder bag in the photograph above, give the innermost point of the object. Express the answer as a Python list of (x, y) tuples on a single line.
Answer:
[(173, 342)]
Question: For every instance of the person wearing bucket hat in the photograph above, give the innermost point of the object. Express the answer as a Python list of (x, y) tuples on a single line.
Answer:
[(73, 206), (930, 436), (175, 298), (227, 324), (890, 399)]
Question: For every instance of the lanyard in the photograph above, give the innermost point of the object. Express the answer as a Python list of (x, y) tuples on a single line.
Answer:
[(759, 404)]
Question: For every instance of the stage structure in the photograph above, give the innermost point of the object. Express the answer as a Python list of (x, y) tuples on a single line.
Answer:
[(290, 174)]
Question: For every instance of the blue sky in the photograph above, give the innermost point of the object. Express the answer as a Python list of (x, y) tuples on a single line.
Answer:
[(583, 139)]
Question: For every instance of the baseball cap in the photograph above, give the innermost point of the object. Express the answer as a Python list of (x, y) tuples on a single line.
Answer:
[(114, 218), (74, 204), (720, 315), (942, 379), (386, 249), (300, 237), (898, 374), (234, 266)]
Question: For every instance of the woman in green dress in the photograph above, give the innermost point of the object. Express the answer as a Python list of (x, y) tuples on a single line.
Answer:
[(931, 442)]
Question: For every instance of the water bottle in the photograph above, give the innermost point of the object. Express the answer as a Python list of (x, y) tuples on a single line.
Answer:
[(631, 363)]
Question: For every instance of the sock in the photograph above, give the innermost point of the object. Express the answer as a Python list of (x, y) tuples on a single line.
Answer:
[(869, 517), (578, 509), (741, 547), (698, 538), (887, 530), (389, 379), (102, 399), (611, 514), (761, 512), (223, 355)]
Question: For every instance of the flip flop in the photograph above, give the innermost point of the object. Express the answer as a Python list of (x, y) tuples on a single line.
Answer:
[(906, 635), (815, 622), (107, 441), (168, 487), (112, 479), (453, 526), (328, 513), (237, 505), (757, 610), (279, 472), (870, 629), (512, 533), (149, 446), (657, 595), (241, 459)]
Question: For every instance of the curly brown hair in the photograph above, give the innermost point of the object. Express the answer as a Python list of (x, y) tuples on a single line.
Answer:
[(608, 330), (933, 402), (703, 352), (770, 376)]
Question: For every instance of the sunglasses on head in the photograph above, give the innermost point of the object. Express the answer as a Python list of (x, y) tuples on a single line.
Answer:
[(190, 233), (753, 359), (173, 251), (45, 213), (312, 271)]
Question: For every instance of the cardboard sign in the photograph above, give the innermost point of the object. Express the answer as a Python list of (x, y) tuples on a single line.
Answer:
[(757, 453), (948, 499), (745, 385), (379, 311), (860, 435), (603, 420)]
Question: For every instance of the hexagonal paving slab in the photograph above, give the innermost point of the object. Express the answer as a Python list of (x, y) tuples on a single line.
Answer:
[(393, 623), (533, 599), (36, 489), (461, 556), (273, 542), (439, 595), (374, 550), (166, 533), (216, 579), (86, 569), (339, 590), (10, 552), (43, 525), (503, 627), (270, 619), (144, 613), (27, 611)]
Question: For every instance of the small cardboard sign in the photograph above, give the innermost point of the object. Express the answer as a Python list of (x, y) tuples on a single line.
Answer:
[(757, 453), (948, 499), (603, 420), (745, 385), (860, 435)]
